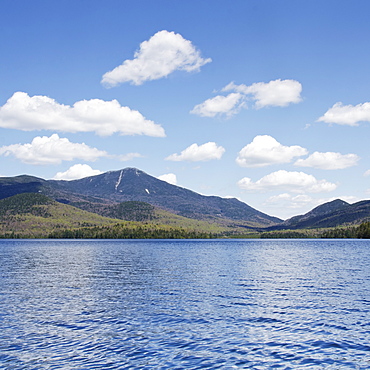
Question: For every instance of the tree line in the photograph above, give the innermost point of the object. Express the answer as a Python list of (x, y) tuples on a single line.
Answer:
[(120, 231), (359, 232)]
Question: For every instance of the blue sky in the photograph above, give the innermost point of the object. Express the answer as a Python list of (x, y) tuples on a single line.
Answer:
[(264, 100)]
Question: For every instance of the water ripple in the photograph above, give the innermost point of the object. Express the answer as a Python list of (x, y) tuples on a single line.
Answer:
[(184, 305)]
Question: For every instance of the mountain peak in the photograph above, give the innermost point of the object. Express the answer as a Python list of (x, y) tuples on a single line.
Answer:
[(132, 184), (327, 207), (315, 214), (127, 170)]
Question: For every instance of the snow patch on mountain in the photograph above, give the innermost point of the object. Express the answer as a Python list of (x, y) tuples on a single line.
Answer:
[(119, 180)]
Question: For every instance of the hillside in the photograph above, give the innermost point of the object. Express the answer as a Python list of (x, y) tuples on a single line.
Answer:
[(145, 212), (35, 215)]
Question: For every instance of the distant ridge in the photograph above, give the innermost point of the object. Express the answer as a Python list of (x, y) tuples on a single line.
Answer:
[(331, 214), (315, 214), (10, 186)]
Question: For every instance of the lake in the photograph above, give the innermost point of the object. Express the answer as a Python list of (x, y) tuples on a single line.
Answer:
[(185, 304)]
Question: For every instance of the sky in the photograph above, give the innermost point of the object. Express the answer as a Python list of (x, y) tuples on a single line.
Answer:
[(267, 101)]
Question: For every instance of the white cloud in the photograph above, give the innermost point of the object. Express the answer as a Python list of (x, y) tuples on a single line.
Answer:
[(78, 171), (162, 54), (169, 177), (289, 201), (347, 114), (367, 173), (195, 153), (51, 150), (264, 150), (227, 105), (302, 201), (129, 157), (105, 118), (297, 182), (329, 161), (279, 93)]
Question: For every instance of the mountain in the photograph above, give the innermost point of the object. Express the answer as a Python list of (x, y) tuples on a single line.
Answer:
[(133, 195), (96, 193), (133, 184), (331, 214)]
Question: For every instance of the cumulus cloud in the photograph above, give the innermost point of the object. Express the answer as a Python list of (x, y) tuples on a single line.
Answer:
[(51, 150), (219, 105), (105, 118), (329, 161), (349, 115), (292, 201), (297, 182), (195, 153), (78, 171), (367, 173), (162, 54), (169, 177), (278, 93), (264, 150)]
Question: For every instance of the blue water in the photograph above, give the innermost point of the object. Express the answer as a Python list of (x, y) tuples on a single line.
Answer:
[(219, 304)]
